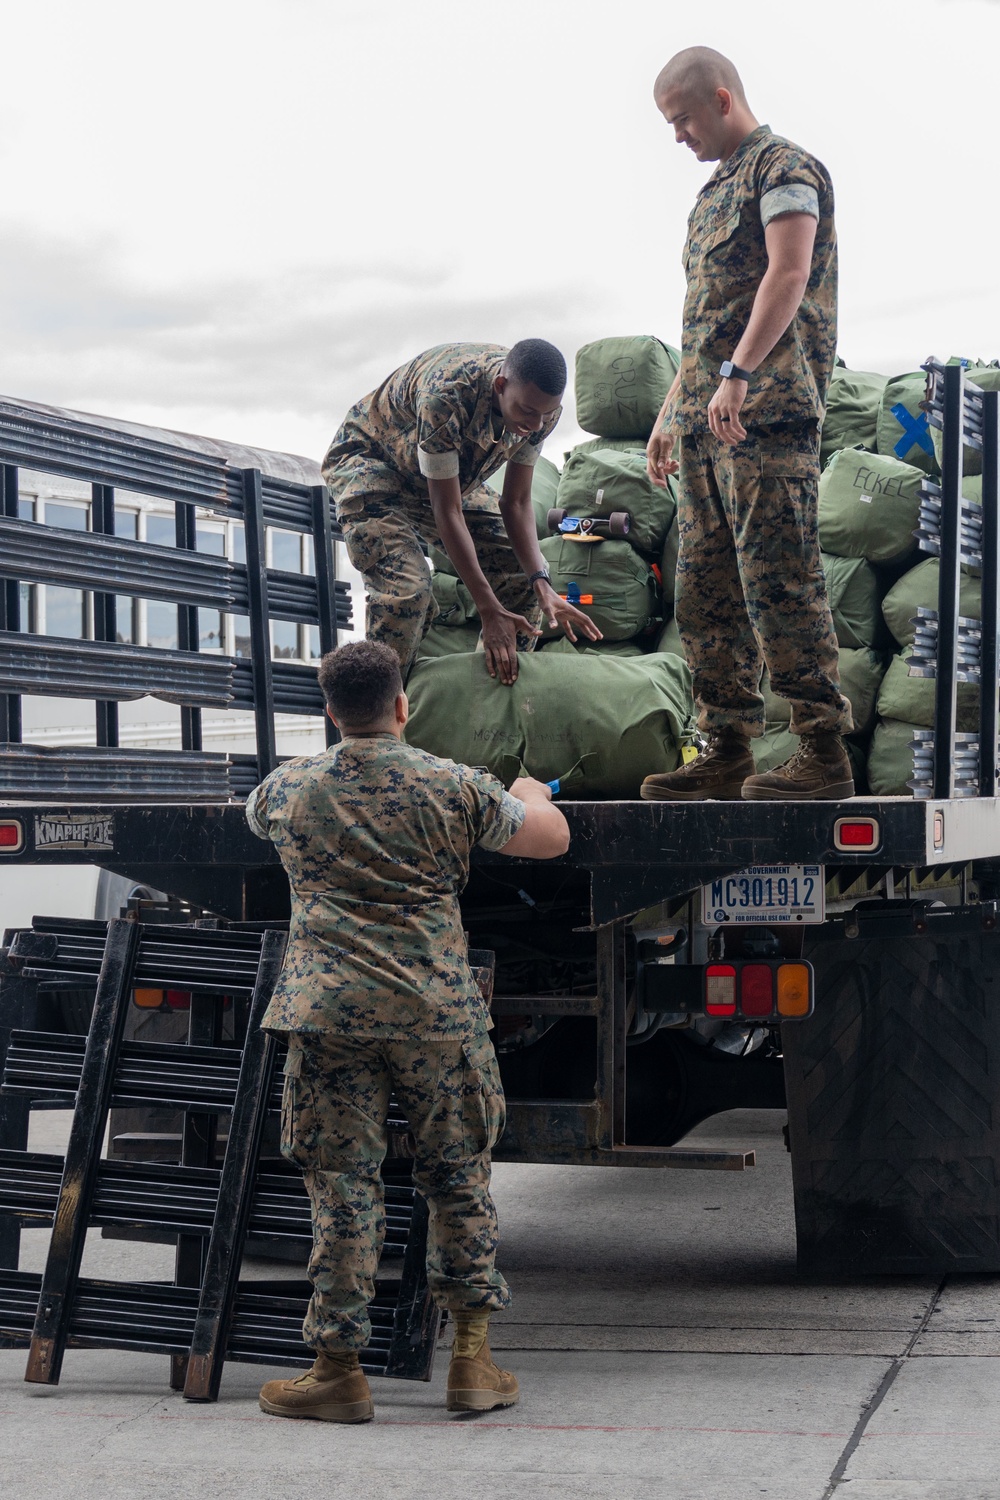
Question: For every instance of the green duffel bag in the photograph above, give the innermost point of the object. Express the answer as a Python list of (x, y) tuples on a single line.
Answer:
[(987, 377), (616, 445), (861, 673), (852, 406), (919, 589), (608, 581), (669, 640), (455, 604), (903, 431), (621, 383), (890, 759), (853, 590), (869, 507), (563, 644), (544, 484), (444, 640), (912, 698), (601, 481), (598, 725), (668, 564)]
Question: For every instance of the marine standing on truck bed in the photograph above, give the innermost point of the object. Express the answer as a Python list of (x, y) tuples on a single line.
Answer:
[(376, 994), (409, 465), (759, 342)]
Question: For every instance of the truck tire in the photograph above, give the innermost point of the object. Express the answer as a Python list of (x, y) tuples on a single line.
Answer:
[(894, 1108)]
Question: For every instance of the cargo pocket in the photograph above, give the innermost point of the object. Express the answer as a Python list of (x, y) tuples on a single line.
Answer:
[(365, 544), (789, 484), (483, 1110), (299, 1121)]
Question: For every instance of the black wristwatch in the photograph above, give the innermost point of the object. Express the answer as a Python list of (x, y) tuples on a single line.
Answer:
[(729, 371), (542, 573)]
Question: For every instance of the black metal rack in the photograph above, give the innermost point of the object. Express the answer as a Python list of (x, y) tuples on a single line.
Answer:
[(206, 1315), (948, 647), (108, 566)]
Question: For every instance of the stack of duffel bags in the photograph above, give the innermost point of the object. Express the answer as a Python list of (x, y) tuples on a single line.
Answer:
[(868, 513), (599, 716)]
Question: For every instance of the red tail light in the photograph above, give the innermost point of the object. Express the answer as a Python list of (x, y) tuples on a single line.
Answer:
[(756, 989)]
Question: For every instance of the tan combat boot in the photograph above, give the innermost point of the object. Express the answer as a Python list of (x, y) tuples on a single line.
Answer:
[(475, 1383), (718, 772), (334, 1390), (820, 770)]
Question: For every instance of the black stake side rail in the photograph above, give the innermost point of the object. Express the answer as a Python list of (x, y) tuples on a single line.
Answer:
[(78, 448), (181, 1200), (160, 1319), (193, 473), (959, 533)]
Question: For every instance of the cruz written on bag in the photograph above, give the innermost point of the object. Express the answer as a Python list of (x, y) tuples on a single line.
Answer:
[(621, 383)]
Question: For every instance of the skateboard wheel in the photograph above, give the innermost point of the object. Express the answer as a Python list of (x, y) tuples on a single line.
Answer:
[(619, 523), (555, 518)]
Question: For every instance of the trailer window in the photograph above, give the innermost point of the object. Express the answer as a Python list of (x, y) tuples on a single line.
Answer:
[(209, 630), (69, 517), (65, 612), (161, 625), (160, 530), (126, 618)]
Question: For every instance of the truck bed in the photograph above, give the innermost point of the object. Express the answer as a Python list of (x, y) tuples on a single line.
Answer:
[(633, 853)]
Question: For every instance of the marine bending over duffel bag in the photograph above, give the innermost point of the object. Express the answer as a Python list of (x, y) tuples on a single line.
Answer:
[(409, 467)]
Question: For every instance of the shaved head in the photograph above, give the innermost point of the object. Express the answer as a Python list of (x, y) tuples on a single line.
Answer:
[(699, 72)]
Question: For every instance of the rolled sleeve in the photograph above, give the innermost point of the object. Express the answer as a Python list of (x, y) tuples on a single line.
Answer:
[(494, 815), (438, 465), (256, 811), (507, 819), (526, 455), (789, 198)]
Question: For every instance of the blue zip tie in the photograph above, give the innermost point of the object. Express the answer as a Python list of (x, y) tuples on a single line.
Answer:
[(554, 787), (916, 431)]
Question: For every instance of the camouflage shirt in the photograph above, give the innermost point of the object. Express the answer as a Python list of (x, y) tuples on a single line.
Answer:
[(375, 837), (432, 419), (725, 258)]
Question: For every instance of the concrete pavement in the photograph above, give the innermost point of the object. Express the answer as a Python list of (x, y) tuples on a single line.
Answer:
[(665, 1346)]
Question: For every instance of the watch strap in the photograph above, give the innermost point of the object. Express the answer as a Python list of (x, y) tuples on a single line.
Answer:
[(729, 371), (542, 573)]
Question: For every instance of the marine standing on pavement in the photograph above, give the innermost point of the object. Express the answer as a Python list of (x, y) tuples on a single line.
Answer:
[(759, 342), (376, 995), (409, 466)]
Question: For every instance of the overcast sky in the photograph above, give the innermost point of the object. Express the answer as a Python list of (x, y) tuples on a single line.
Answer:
[(236, 216)]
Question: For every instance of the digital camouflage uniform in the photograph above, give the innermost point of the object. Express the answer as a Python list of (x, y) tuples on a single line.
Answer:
[(749, 579), (432, 419), (376, 994)]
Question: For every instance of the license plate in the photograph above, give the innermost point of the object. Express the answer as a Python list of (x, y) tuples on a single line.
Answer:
[(767, 893)]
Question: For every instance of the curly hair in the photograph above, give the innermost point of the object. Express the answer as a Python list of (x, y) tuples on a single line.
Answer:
[(360, 682)]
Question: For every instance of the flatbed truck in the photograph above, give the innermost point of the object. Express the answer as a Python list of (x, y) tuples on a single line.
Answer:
[(838, 960)]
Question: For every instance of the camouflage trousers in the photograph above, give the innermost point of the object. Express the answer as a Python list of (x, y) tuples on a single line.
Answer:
[(334, 1107), (383, 534), (750, 585)]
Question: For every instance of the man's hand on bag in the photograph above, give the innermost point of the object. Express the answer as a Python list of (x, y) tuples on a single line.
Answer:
[(724, 412), (501, 627), (527, 789), (659, 460), (564, 616)]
